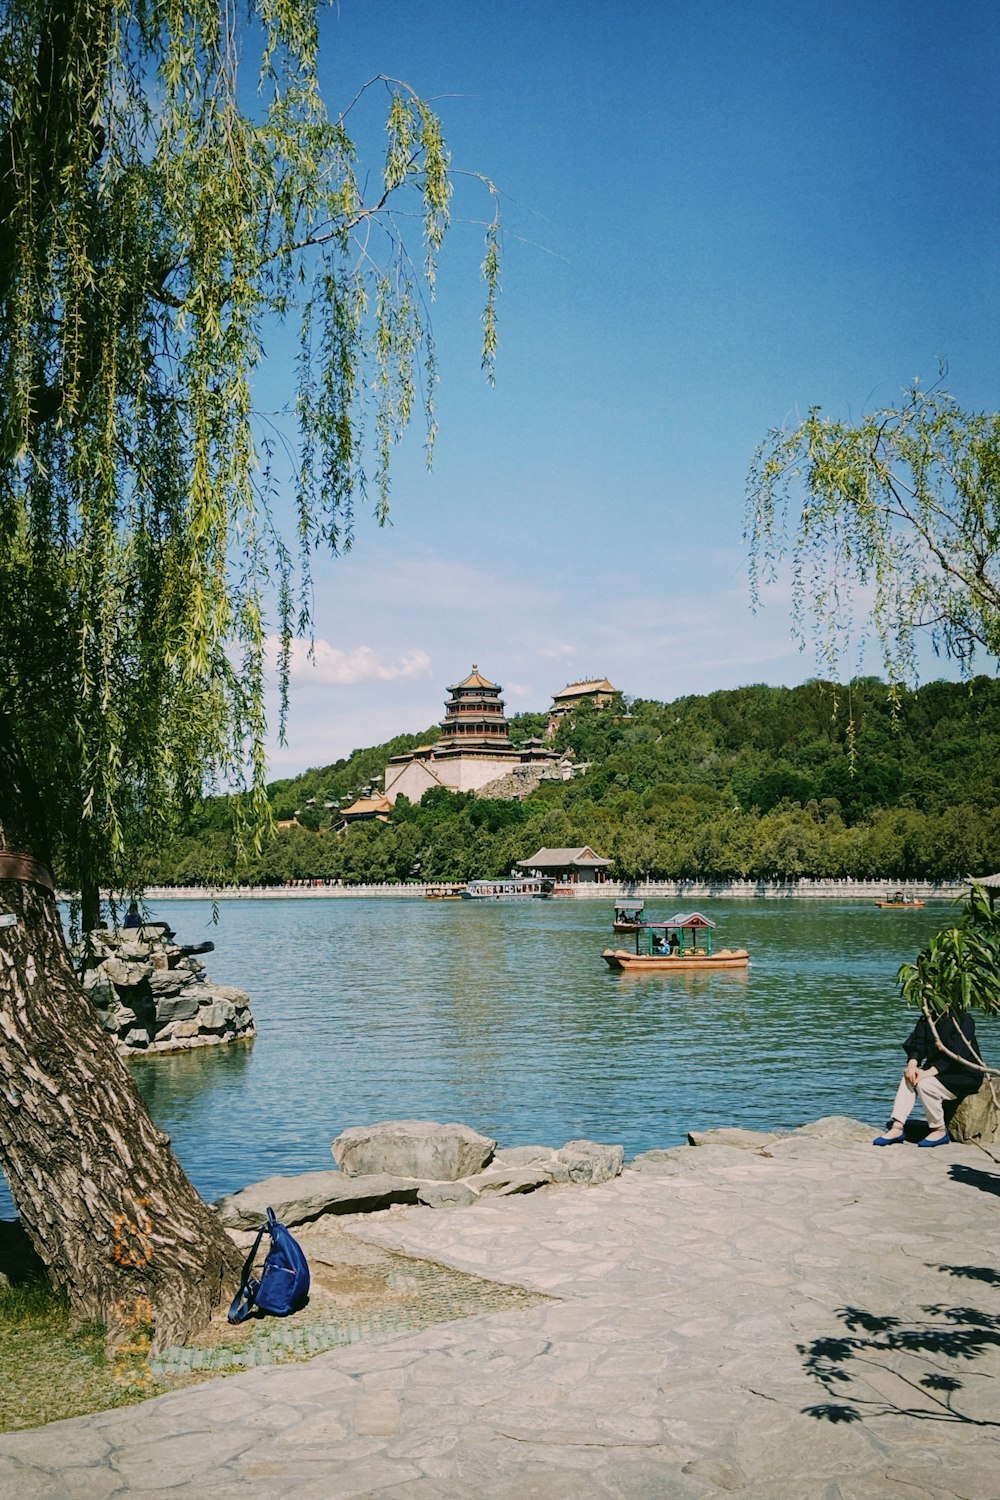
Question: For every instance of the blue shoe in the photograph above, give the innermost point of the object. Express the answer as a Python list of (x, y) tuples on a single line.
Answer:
[(944, 1141), (889, 1140)]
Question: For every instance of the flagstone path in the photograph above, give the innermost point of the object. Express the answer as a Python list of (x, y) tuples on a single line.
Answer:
[(814, 1320)]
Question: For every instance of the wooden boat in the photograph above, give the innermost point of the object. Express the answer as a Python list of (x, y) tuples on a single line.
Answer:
[(628, 916), (899, 900), (446, 892), (505, 890), (684, 942)]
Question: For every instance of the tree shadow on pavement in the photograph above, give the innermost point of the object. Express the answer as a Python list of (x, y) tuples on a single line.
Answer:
[(986, 1182), (888, 1366)]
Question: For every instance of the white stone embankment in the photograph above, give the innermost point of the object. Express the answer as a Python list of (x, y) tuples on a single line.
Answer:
[(610, 890), (807, 1319)]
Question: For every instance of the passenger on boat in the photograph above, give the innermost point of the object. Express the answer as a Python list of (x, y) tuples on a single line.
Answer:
[(674, 943), (933, 1077)]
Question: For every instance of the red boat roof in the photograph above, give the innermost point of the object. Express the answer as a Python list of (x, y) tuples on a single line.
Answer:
[(683, 919)]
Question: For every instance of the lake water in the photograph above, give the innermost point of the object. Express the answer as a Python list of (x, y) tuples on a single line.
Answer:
[(504, 1016)]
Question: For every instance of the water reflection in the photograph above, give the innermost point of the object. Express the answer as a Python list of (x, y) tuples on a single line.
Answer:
[(182, 1080)]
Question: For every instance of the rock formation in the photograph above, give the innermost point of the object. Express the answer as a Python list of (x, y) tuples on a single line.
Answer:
[(154, 996), (418, 1161)]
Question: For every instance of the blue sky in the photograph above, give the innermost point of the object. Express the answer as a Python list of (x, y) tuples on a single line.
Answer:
[(716, 215)]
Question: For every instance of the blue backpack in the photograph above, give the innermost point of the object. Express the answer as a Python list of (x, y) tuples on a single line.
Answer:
[(283, 1286)]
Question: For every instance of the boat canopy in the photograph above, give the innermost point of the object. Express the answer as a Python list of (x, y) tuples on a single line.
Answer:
[(683, 919), (629, 905), (689, 931)]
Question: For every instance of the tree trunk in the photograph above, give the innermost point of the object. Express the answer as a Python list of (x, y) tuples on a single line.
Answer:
[(90, 906), (100, 1193)]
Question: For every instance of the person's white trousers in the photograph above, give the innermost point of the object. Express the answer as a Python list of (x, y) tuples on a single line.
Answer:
[(930, 1091)]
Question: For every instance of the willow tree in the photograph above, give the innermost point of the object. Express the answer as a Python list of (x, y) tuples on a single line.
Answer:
[(959, 971), (160, 212), (891, 527)]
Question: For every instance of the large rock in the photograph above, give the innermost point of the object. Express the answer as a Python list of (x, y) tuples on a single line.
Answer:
[(975, 1120), (413, 1148), (442, 1194), (732, 1135), (586, 1161), (504, 1182), (177, 1008), (215, 1017), (164, 983), (525, 1156), (839, 1130), (297, 1200)]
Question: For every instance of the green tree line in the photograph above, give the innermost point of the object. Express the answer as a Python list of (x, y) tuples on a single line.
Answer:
[(753, 783)]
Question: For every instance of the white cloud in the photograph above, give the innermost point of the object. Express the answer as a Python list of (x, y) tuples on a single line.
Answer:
[(318, 664)]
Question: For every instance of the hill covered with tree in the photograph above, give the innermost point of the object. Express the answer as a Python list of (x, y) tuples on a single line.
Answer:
[(755, 782)]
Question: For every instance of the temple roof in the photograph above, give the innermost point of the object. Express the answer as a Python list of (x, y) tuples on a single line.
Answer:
[(574, 689), (365, 805), (563, 858), (475, 679)]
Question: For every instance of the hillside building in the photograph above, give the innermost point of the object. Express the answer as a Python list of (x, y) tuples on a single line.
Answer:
[(598, 692), (474, 748), (374, 809)]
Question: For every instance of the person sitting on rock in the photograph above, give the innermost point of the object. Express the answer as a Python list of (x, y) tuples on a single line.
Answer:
[(933, 1077), (133, 917)]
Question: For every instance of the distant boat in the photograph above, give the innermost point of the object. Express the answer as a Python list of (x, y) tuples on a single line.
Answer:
[(628, 915), (505, 890), (684, 942), (446, 892), (899, 899)]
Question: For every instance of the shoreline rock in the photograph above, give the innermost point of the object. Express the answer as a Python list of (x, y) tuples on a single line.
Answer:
[(154, 996), (372, 1159)]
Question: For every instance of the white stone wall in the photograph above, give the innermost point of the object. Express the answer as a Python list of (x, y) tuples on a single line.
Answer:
[(464, 774)]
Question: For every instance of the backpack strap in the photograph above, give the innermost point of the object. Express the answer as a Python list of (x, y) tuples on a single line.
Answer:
[(242, 1304)]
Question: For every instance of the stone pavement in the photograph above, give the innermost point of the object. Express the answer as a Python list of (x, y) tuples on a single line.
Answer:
[(816, 1320)]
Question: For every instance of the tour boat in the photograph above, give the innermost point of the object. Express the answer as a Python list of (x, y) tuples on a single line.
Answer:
[(684, 942), (898, 899), (445, 892), (505, 890), (628, 916)]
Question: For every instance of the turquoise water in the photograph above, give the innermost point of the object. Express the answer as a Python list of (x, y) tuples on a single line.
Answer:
[(505, 1017)]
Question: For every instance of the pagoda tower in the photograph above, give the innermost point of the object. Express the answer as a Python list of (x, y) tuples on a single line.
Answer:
[(473, 750), (474, 716)]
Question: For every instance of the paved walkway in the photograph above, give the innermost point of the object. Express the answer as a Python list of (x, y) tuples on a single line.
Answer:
[(818, 1323)]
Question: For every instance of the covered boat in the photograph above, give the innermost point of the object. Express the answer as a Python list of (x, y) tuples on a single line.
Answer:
[(505, 890), (628, 915), (683, 942), (894, 899)]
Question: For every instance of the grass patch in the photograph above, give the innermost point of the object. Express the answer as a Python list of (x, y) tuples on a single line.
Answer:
[(49, 1370)]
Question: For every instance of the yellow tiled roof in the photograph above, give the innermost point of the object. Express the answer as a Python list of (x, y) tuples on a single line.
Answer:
[(475, 679), (576, 688)]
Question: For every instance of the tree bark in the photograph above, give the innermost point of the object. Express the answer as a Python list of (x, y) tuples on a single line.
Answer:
[(99, 1191), (90, 906)]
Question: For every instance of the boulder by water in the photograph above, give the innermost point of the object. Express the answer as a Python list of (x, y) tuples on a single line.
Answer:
[(413, 1148), (392, 1162), (154, 996), (975, 1120)]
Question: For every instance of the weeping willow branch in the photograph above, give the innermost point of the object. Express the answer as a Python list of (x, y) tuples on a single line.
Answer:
[(153, 229)]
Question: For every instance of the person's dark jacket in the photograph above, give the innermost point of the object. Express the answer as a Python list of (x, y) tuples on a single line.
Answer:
[(957, 1037)]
